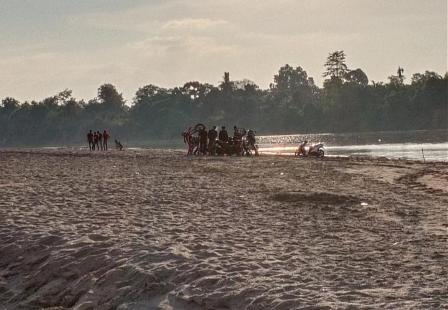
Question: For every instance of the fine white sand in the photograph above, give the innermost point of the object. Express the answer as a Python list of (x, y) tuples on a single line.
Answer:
[(159, 230)]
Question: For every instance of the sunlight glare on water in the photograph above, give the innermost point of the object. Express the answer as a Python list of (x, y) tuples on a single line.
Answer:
[(416, 145)]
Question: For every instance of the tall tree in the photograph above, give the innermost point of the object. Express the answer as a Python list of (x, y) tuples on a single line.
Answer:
[(335, 67)]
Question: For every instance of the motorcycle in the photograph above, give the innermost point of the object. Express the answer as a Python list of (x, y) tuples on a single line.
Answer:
[(191, 138), (314, 150), (230, 147), (249, 146)]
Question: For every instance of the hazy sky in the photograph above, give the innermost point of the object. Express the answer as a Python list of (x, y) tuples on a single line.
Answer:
[(51, 45)]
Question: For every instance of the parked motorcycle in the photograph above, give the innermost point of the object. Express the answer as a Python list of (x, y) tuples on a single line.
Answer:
[(313, 150), (249, 146)]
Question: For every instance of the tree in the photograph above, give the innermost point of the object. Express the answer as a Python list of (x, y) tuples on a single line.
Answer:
[(292, 104), (10, 104), (8, 107), (290, 78), (419, 78), (110, 97), (245, 84), (149, 92), (397, 80), (335, 67), (149, 101), (357, 77), (64, 96), (291, 91), (226, 85), (196, 90)]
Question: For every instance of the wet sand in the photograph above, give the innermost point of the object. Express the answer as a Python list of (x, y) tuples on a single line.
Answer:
[(158, 230)]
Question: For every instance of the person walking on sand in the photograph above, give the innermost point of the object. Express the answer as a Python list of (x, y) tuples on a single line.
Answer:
[(223, 135), (90, 139), (105, 138), (100, 140), (212, 135)]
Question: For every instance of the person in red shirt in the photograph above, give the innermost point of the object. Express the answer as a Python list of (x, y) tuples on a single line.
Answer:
[(105, 138)]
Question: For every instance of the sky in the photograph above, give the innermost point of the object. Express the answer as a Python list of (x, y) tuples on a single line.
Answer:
[(51, 45)]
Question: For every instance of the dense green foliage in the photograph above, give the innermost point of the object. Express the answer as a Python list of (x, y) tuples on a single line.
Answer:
[(292, 104)]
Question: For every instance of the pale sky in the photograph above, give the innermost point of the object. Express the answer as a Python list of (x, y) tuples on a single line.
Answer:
[(50, 45)]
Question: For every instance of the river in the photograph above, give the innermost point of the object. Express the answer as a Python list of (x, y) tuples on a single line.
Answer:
[(429, 145)]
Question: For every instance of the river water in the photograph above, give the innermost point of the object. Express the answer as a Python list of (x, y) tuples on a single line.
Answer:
[(430, 145)]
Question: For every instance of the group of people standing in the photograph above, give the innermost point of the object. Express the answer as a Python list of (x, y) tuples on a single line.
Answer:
[(97, 140), (208, 140)]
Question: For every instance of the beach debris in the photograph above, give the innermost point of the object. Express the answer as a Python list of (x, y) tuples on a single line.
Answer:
[(281, 173), (364, 204)]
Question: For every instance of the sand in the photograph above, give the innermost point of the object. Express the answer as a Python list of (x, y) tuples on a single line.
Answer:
[(158, 230)]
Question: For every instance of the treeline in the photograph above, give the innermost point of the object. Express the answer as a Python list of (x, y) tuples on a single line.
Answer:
[(347, 102)]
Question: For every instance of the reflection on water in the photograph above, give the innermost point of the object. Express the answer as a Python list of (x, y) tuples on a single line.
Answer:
[(429, 145)]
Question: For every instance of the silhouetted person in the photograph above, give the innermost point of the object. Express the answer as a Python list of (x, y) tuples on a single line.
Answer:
[(223, 135), (203, 141), (236, 133), (195, 141), (95, 141), (105, 138), (90, 140), (100, 139), (251, 140), (212, 135), (301, 151), (251, 137)]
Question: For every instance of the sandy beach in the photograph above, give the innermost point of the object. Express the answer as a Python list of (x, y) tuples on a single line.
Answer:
[(154, 229)]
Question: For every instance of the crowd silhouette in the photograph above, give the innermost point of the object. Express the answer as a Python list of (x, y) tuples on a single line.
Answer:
[(201, 141)]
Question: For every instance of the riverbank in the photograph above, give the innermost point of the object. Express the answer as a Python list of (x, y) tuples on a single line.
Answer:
[(155, 229)]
